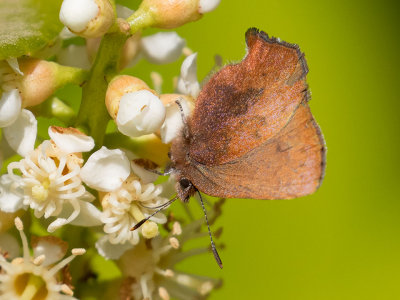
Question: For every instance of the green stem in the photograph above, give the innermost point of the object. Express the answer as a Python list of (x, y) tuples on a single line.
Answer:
[(140, 19), (72, 75), (93, 116)]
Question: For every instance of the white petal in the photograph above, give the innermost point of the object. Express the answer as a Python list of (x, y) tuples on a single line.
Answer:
[(111, 251), (206, 6), (70, 140), (140, 113), (74, 56), (145, 176), (10, 201), (21, 135), (162, 47), (187, 83), (89, 215), (13, 62), (10, 107), (76, 14), (9, 245), (51, 248), (124, 12), (106, 170), (173, 121)]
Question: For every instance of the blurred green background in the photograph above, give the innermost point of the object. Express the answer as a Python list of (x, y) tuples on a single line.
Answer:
[(343, 242)]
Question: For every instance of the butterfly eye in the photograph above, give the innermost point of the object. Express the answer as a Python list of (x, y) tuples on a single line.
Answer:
[(185, 183)]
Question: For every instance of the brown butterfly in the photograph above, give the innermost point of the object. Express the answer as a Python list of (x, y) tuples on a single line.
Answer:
[(252, 134)]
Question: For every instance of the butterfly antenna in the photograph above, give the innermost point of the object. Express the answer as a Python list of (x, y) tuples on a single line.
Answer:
[(213, 248), (161, 207), (185, 126)]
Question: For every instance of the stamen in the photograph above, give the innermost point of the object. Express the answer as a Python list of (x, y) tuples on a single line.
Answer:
[(19, 224), (66, 290), (20, 227), (78, 251), (176, 229), (39, 260), (174, 242), (163, 293)]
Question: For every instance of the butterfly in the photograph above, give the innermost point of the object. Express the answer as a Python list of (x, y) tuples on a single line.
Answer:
[(252, 134)]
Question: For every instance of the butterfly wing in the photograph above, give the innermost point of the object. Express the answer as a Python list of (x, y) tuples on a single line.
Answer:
[(289, 165), (244, 105)]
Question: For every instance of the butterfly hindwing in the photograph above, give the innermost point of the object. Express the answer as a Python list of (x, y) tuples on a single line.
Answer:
[(289, 165)]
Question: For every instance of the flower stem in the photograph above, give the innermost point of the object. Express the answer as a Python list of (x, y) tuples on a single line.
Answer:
[(70, 75), (93, 116)]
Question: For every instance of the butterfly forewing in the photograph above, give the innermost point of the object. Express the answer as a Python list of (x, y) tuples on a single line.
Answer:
[(244, 105)]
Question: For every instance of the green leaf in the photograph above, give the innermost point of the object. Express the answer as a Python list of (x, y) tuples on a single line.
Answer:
[(27, 26)]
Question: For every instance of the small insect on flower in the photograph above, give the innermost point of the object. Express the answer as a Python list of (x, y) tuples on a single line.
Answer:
[(252, 134)]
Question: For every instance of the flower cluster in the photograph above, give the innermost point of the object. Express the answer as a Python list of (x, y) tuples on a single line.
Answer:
[(87, 172)]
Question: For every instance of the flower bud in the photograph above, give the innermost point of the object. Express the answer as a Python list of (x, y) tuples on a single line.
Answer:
[(172, 13), (87, 18), (119, 86), (136, 108), (40, 80)]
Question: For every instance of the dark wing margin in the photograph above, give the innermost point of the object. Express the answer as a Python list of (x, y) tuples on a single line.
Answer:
[(290, 165), (244, 105)]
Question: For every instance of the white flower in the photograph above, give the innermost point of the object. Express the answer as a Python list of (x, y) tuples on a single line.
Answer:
[(76, 14), (187, 82), (151, 268), (20, 126), (123, 209), (87, 18), (36, 277), (140, 113), (50, 180), (106, 170), (162, 47)]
